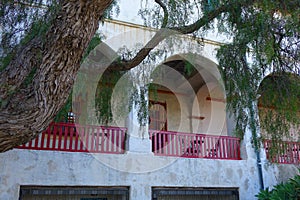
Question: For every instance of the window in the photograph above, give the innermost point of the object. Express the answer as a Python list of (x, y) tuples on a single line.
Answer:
[(73, 193), (195, 193)]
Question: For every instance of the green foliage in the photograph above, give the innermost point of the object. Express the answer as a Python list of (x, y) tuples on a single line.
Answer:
[(240, 82), (265, 40), (95, 41), (6, 60), (62, 115), (210, 5), (113, 9), (21, 21), (103, 97), (103, 101), (152, 88), (289, 190), (179, 13), (188, 68), (279, 105), (126, 96), (29, 78), (139, 98)]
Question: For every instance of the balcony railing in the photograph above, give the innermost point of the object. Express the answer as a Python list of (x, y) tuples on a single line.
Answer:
[(166, 143), (282, 152), (79, 138)]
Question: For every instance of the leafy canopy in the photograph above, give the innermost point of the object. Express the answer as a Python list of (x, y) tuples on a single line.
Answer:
[(263, 35)]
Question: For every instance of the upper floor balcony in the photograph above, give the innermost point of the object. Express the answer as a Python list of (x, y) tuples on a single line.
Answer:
[(72, 137), (182, 123)]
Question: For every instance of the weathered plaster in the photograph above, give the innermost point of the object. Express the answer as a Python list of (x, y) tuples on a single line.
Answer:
[(82, 169)]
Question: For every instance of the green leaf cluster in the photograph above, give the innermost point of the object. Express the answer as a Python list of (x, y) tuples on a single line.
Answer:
[(289, 190), (265, 39), (62, 115), (279, 105), (180, 13)]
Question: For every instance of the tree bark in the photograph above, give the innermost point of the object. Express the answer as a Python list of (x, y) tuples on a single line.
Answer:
[(30, 110)]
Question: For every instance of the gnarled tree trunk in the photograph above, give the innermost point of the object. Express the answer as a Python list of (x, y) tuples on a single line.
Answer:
[(29, 110)]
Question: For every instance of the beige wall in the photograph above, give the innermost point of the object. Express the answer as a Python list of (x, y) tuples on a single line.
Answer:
[(212, 108), (184, 116)]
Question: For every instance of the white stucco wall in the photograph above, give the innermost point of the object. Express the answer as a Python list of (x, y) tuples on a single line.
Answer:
[(138, 171), (119, 34)]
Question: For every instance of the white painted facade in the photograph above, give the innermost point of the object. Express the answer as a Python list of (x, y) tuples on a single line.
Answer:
[(138, 168), (49, 168)]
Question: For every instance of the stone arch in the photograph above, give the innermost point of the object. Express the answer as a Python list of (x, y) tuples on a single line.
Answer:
[(272, 88), (189, 89)]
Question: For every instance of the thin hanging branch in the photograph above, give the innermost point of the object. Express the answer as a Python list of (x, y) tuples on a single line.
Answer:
[(166, 13)]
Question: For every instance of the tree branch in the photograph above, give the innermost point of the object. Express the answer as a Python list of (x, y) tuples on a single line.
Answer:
[(164, 33), (210, 16), (166, 13), (125, 65)]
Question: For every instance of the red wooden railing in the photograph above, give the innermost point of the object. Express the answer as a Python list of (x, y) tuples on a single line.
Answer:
[(166, 143), (79, 138), (282, 152)]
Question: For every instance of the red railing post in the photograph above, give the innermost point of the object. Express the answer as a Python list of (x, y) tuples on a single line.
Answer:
[(61, 129), (97, 139), (43, 138)]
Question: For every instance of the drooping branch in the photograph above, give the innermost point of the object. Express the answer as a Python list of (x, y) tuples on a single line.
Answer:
[(166, 13), (125, 65), (31, 109), (162, 34), (213, 14)]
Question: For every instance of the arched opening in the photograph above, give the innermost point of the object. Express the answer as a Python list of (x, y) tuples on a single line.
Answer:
[(196, 110), (279, 114), (279, 106)]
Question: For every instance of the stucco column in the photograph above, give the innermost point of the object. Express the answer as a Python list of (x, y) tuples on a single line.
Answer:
[(140, 191), (138, 136)]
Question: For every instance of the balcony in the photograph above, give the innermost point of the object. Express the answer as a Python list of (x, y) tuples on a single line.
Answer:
[(283, 152), (72, 137), (166, 143), (78, 138)]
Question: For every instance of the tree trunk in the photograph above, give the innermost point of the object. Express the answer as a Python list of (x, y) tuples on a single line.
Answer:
[(29, 111)]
